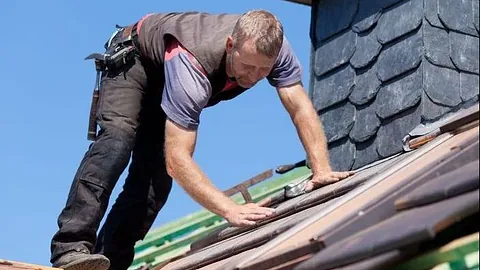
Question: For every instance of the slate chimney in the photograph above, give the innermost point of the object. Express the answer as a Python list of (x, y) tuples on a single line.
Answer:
[(382, 67)]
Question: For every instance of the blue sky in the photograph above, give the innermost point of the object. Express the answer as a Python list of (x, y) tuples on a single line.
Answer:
[(46, 90)]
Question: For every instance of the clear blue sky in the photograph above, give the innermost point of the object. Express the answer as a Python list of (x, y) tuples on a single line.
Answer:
[(46, 90)]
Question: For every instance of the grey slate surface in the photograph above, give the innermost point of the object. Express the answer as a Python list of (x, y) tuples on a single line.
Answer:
[(369, 11), (475, 14), (334, 16), (367, 151), (342, 154), (399, 95), (437, 46), (464, 52), (442, 85), (399, 20), (395, 58), (366, 87), (400, 57), (457, 15), (391, 132), (367, 50), (367, 124), (468, 86), (334, 53), (342, 118), (431, 12), (432, 111), (334, 88)]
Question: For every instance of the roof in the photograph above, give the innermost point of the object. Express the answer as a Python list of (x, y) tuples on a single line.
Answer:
[(424, 199), (303, 2), (12, 265)]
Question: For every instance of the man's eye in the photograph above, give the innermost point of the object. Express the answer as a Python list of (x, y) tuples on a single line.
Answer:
[(249, 67)]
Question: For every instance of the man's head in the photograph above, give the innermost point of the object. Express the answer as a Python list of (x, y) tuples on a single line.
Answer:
[(253, 47)]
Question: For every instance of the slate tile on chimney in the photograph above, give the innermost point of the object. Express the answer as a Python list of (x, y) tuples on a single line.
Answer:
[(400, 57), (338, 121), (333, 88), (457, 15), (368, 49), (334, 16), (366, 123), (335, 52), (431, 12), (369, 11), (437, 45), (442, 85), (366, 87), (399, 95), (475, 4), (399, 20), (366, 153), (469, 87), (390, 135), (432, 111), (342, 155), (464, 52)]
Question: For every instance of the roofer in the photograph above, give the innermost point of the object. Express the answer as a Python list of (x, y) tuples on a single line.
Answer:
[(156, 77)]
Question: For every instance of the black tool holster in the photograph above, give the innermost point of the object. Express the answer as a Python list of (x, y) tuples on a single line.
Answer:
[(120, 50)]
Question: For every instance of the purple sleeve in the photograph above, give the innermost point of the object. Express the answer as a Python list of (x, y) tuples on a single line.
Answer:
[(186, 92), (287, 69)]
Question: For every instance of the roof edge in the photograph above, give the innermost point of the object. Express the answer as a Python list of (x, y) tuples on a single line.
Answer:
[(302, 2)]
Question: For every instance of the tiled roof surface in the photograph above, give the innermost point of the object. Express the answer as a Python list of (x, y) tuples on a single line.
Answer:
[(12, 265), (395, 211), (384, 66)]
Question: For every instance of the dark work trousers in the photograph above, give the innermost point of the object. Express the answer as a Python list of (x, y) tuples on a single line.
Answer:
[(131, 125)]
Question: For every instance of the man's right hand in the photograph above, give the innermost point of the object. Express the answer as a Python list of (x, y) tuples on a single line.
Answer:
[(248, 214)]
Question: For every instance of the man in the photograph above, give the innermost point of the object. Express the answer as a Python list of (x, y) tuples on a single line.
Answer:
[(150, 108)]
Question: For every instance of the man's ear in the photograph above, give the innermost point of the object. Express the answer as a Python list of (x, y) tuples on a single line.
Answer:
[(229, 44)]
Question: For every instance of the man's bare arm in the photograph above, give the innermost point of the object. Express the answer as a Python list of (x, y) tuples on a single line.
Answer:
[(311, 133), (179, 148)]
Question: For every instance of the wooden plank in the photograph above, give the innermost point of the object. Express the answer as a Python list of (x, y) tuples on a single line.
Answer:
[(13, 265)]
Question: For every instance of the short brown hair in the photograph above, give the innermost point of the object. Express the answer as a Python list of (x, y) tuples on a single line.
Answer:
[(262, 26)]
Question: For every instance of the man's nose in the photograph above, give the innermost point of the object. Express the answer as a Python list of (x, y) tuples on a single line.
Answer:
[(255, 76)]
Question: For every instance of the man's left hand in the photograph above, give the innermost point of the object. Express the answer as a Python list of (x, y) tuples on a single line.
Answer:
[(323, 178)]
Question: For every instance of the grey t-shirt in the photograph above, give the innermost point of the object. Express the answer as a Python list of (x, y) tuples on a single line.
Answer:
[(187, 89)]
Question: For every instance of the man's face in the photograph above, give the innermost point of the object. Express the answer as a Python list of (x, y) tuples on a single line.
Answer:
[(245, 64)]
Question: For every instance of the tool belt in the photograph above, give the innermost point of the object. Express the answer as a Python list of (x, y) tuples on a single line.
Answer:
[(120, 50)]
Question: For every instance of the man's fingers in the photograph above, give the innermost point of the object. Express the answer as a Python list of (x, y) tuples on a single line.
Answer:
[(341, 175), (309, 186), (255, 217), (265, 202), (255, 209), (245, 222)]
